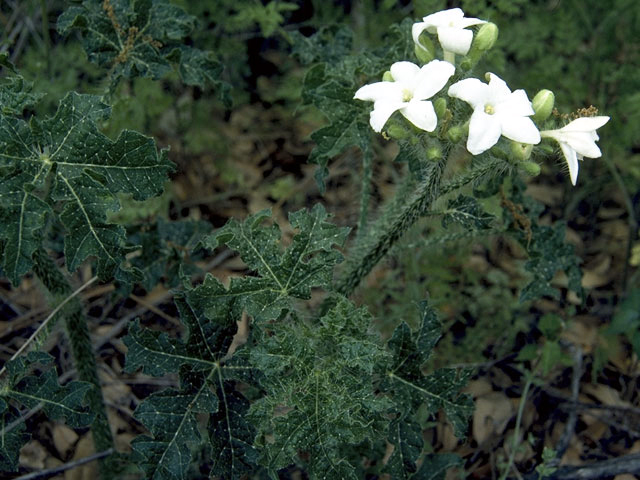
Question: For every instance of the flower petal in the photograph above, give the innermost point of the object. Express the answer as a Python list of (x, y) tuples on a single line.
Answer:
[(379, 91), (444, 17), (498, 88), (404, 72), (484, 132), (432, 77), (516, 103), (585, 123), (471, 90), (582, 142), (421, 114), (454, 39), (520, 129), (468, 22), (572, 161), (381, 112), (416, 31)]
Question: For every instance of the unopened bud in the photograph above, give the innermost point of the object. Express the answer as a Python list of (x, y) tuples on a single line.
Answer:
[(455, 134), (521, 151), (387, 77), (466, 65), (543, 105), (434, 153), (531, 168), (440, 106), (486, 37), (397, 131), (425, 50)]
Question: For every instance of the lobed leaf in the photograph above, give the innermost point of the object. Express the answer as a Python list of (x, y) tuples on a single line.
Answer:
[(64, 166), (25, 389), (282, 274), (410, 388), (173, 416), (140, 38)]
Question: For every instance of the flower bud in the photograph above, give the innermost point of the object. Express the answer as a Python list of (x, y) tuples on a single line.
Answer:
[(387, 77), (466, 65), (440, 106), (455, 134), (424, 49), (531, 168), (397, 131), (543, 105), (434, 153), (521, 151), (486, 37)]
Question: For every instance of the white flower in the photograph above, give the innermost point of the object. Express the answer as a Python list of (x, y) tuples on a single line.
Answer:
[(577, 140), (408, 93), (450, 26), (496, 111)]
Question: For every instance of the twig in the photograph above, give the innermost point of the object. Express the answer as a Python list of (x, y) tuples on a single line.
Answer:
[(46, 320), (597, 470), (516, 430), (563, 443), (52, 472)]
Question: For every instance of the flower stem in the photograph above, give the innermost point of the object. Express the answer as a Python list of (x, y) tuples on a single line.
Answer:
[(450, 57), (55, 282)]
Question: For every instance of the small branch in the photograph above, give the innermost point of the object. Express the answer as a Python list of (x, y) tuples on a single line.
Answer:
[(563, 443), (597, 470), (516, 430), (46, 321), (52, 472)]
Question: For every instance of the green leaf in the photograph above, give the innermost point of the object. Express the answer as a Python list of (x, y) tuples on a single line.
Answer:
[(23, 214), (59, 402), (140, 38), (406, 438), (320, 393), (410, 387), (549, 253), (27, 389), (172, 416), (282, 274), (12, 438), (64, 161), (16, 95), (467, 212), (168, 250)]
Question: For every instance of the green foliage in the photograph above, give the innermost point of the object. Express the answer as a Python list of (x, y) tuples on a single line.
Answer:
[(140, 38), (548, 251), (331, 83), (206, 388), (320, 393), (15, 92), (323, 387), (28, 390), (64, 167), (439, 390), (308, 262), (467, 212), (168, 251)]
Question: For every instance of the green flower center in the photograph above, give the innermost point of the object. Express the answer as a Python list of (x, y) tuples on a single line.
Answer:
[(407, 95), (489, 109)]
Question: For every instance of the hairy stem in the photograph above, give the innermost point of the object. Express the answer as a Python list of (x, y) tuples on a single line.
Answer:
[(370, 254), (85, 360)]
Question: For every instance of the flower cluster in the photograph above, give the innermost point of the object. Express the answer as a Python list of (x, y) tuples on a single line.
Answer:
[(497, 111)]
